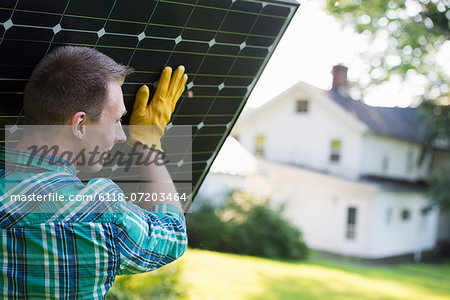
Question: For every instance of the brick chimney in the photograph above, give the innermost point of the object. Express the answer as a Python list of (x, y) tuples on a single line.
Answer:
[(339, 78)]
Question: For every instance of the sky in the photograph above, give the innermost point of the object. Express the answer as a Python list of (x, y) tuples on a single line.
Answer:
[(315, 41)]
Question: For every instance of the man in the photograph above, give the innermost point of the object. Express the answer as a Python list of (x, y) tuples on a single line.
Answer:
[(74, 249)]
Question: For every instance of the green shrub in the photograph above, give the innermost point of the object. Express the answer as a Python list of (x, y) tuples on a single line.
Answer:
[(206, 230), (244, 226)]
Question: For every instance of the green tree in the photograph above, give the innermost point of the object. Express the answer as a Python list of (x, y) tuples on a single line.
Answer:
[(436, 122), (415, 31)]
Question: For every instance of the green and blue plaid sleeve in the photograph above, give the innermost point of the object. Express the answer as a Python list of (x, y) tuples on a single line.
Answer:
[(150, 239)]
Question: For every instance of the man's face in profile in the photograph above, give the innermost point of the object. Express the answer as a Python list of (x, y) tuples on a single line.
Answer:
[(107, 131)]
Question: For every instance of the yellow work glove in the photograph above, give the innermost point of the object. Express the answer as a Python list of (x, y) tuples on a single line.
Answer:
[(158, 112)]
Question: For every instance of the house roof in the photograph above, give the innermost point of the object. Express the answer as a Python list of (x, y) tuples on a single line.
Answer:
[(234, 159), (320, 178), (396, 122), (395, 184)]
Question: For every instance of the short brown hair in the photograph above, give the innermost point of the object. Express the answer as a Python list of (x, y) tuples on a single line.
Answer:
[(68, 80)]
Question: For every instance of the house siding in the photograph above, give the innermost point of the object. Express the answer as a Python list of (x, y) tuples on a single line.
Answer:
[(396, 236), (377, 148), (304, 138)]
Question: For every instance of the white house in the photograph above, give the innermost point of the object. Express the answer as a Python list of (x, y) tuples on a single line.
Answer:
[(351, 174)]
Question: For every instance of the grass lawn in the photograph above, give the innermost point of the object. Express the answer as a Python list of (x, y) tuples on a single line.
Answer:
[(211, 275)]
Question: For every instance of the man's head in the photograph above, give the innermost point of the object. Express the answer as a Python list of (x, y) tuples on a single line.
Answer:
[(81, 88), (69, 80)]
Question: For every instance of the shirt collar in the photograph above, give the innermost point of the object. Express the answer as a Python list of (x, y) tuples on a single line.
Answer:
[(29, 160)]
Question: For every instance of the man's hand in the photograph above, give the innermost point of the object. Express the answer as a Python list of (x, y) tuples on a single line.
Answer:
[(159, 111)]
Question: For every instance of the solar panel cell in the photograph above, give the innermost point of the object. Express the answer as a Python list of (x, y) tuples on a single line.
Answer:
[(120, 55), (191, 62), (35, 19), (225, 106), (187, 119), (16, 72), (268, 25), (254, 52), (28, 33), (191, 47), (12, 86), (152, 43), (66, 37), (250, 7), (5, 15), (171, 13), (14, 52), (238, 81), (149, 60), (208, 80), (95, 9), (246, 66), (260, 41), (69, 23), (126, 28), (276, 10), (198, 35), (46, 6), (133, 10), (230, 38), (206, 18), (11, 108), (216, 65), (238, 22), (217, 120)]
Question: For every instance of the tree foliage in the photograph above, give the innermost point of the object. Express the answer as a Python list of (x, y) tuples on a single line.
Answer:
[(435, 120), (439, 183), (415, 31)]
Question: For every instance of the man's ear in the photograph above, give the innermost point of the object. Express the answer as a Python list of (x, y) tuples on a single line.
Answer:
[(78, 124)]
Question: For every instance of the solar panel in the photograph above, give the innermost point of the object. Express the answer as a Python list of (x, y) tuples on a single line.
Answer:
[(224, 45)]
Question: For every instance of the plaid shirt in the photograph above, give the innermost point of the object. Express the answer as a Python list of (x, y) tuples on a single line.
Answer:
[(75, 249)]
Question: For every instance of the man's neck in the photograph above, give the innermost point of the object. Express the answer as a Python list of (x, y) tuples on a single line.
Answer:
[(37, 142)]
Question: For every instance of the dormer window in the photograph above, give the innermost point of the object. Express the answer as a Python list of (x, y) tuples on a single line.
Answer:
[(301, 106), (335, 153), (385, 164), (409, 161), (260, 141)]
